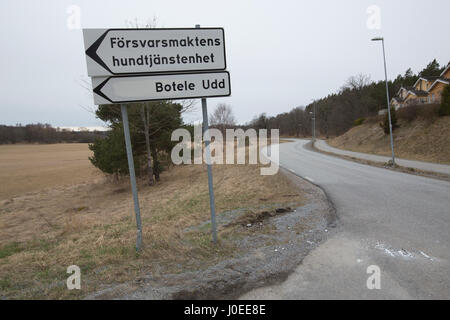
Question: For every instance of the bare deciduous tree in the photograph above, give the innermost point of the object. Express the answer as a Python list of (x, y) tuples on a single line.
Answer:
[(357, 82), (222, 117)]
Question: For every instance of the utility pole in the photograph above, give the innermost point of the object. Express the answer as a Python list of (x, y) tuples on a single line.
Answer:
[(388, 102)]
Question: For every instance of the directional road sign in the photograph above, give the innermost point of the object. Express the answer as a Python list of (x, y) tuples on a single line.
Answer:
[(127, 89), (143, 51)]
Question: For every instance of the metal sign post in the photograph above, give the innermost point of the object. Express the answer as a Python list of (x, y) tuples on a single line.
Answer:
[(208, 166), (137, 210), (207, 139)]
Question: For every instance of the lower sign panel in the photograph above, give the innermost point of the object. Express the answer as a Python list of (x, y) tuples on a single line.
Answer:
[(128, 89)]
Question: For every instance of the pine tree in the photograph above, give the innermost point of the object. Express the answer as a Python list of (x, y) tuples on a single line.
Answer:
[(162, 118), (432, 69)]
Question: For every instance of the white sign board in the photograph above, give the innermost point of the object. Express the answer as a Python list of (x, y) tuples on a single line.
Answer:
[(143, 51), (127, 89)]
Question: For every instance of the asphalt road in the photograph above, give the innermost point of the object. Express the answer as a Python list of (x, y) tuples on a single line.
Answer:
[(395, 221)]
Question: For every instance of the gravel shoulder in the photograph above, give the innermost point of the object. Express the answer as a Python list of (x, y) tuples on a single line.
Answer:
[(263, 257)]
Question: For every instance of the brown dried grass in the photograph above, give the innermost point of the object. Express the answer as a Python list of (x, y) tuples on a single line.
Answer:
[(91, 224), (423, 139)]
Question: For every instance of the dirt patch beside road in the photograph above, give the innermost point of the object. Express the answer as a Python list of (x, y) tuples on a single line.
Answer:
[(269, 244)]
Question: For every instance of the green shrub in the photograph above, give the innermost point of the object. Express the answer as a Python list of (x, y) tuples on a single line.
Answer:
[(359, 121), (110, 154)]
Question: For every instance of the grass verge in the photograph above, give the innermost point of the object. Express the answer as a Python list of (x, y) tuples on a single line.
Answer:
[(92, 225)]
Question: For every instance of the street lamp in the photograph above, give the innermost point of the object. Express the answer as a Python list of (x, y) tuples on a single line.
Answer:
[(387, 97), (314, 124)]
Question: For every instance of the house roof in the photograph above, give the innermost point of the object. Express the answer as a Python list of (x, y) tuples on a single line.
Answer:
[(419, 93), (426, 78), (430, 78), (441, 80), (404, 88), (445, 70)]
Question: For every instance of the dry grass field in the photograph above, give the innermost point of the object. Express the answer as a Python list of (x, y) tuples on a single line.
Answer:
[(417, 140), (57, 210), (28, 168)]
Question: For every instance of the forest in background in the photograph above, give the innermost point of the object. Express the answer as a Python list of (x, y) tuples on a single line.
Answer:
[(45, 133), (336, 113)]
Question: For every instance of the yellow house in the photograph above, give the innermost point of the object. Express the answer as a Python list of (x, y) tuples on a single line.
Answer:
[(446, 73), (399, 99), (425, 90), (436, 88), (396, 103), (435, 92), (424, 83), (403, 92), (416, 97)]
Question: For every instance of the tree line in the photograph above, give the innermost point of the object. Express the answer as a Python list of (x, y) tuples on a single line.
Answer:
[(44, 133), (336, 113), (152, 123)]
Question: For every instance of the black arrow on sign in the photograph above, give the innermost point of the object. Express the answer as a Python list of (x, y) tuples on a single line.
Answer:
[(98, 90), (92, 52)]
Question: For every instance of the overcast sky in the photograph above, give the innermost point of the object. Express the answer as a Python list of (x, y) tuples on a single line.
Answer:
[(280, 54)]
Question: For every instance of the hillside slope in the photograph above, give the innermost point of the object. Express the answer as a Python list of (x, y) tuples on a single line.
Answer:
[(420, 139)]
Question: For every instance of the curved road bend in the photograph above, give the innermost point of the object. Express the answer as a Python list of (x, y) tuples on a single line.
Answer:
[(396, 221)]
